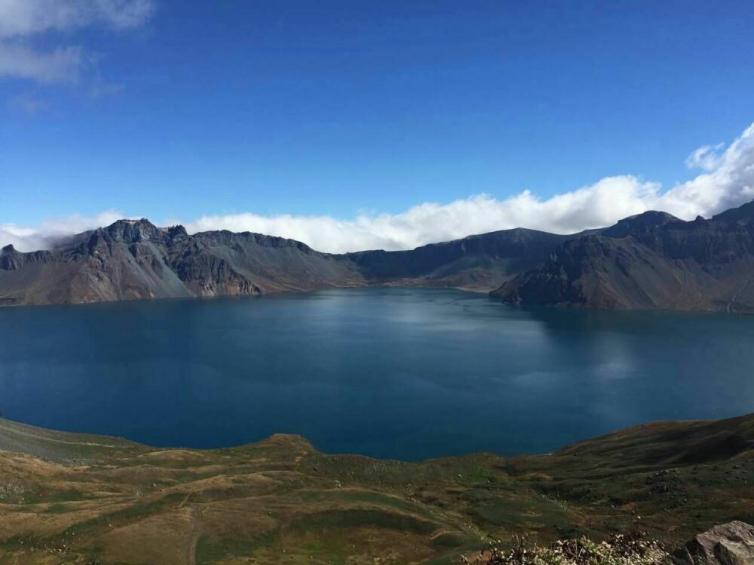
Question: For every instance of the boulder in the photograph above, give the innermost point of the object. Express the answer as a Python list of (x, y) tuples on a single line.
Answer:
[(726, 544)]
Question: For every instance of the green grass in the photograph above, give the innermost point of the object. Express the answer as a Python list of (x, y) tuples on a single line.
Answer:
[(362, 517), (210, 550), (281, 495)]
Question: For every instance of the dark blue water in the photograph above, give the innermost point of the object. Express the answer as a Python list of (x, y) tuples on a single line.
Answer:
[(394, 372)]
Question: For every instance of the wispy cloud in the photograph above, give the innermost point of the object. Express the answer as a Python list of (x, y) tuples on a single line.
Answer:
[(48, 232), (63, 64), (22, 22), (20, 18), (727, 181), (706, 157)]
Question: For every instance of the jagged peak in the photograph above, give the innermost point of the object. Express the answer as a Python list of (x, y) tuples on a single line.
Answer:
[(131, 231), (8, 249), (131, 222), (178, 228), (175, 232)]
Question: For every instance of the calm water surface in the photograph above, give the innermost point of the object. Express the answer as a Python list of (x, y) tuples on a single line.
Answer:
[(385, 372)]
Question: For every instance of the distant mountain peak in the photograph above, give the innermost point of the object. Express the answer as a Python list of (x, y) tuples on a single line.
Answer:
[(742, 214), (142, 222), (640, 223), (131, 231), (650, 260), (650, 217)]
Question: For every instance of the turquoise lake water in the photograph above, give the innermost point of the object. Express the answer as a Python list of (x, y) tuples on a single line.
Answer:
[(403, 373)]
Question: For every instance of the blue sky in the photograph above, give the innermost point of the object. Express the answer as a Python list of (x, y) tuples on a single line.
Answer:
[(179, 110)]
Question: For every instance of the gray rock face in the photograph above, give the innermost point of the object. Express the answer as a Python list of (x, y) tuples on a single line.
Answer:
[(652, 260), (480, 262), (649, 261), (137, 260), (727, 544)]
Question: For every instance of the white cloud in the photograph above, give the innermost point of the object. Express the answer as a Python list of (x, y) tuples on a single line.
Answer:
[(431, 222), (24, 20), (48, 232), (728, 184), (706, 157), (59, 65), (19, 18)]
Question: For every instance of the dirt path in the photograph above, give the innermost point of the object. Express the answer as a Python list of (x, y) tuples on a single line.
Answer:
[(195, 515)]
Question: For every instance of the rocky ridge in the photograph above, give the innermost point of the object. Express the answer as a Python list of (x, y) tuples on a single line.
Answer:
[(649, 261), (133, 259)]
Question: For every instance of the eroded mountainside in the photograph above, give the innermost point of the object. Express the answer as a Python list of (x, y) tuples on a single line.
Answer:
[(69, 498), (136, 260), (653, 260), (477, 262)]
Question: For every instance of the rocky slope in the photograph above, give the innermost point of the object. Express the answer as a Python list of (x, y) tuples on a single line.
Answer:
[(136, 260), (70, 498), (480, 262), (724, 544), (649, 261)]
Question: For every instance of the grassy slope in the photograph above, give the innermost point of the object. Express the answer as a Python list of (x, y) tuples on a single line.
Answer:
[(82, 499)]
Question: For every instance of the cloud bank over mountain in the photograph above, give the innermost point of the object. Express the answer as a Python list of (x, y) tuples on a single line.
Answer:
[(726, 181), (44, 236)]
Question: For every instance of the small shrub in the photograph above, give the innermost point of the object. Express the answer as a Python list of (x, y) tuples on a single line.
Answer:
[(620, 549)]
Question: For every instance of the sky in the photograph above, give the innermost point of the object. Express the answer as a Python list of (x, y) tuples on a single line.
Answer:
[(372, 123)]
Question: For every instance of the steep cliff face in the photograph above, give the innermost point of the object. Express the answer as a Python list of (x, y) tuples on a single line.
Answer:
[(652, 260), (226, 263), (136, 260), (649, 261)]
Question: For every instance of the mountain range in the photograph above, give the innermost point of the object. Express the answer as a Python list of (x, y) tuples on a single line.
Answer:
[(133, 259), (652, 260)]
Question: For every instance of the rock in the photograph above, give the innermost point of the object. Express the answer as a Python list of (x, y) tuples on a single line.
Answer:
[(134, 259), (652, 260), (727, 544), (648, 261)]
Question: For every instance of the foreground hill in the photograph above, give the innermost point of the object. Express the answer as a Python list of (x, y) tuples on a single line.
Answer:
[(86, 499), (653, 260), (137, 260)]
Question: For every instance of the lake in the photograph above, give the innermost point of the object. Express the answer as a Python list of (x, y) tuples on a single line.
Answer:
[(404, 373)]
